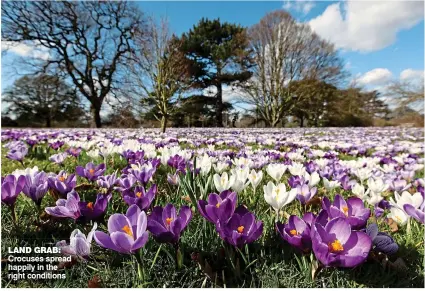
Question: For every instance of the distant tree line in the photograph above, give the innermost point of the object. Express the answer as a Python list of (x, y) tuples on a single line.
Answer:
[(109, 54)]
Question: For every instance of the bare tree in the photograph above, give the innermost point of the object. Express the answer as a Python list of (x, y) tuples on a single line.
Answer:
[(406, 93), (157, 71), (286, 51), (88, 41)]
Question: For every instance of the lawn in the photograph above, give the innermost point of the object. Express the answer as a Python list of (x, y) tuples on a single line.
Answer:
[(203, 258)]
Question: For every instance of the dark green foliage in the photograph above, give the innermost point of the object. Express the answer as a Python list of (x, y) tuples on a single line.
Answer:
[(218, 55)]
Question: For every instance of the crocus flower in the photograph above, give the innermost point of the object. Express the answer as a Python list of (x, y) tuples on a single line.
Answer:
[(107, 182), (381, 241), (165, 225), (336, 245), (173, 179), (142, 173), (305, 193), (297, 231), (58, 158), (139, 196), (218, 207), (91, 172), (276, 171), (79, 245), (241, 229), (62, 182), (416, 213), (36, 186), (329, 185), (277, 196), (353, 210), (125, 182), (90, 210), (397, 211), (66, 207), (75, 152), (377, 185), (127, 233), (223, 183), (11, 186), (255, 178), (17, 153)]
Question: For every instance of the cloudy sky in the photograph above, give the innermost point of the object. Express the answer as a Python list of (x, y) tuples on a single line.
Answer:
[(380, 41)]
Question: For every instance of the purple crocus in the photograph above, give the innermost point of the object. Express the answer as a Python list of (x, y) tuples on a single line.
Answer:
[(353, 209), (107, 182), (36, 186), (62, 182), (165, 225), (139, 196), (56, 145), (305, 193), (218, 207), (297, 231), (143, 173), (125, 182), (90, 171), (336, 245), (17, 153), (241, 229), (58, 158), (66, 207), (382, 242), (79, 245), (416, 213), (92, 211), (127, 233), (75, 152), (10, 189), (177, 162)]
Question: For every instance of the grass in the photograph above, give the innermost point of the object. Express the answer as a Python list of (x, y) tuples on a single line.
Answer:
[(269, 262)]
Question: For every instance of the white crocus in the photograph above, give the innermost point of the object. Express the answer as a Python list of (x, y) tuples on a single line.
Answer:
[(406, 198), (313, 179), (255, 178), (373, 198), (296, 169), (223, 182), (329, 185), (277, 196), (376, 185), (359, 191), (204, 163), (241, 174), (220, 167), (238, 185), (363, 173), (276, 171), (79, 244), (398, 215)]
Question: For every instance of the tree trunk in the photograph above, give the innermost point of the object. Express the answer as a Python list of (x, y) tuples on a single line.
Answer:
[(96, 122), (163, 123), (48, 122), (219, 106), (301, 121)]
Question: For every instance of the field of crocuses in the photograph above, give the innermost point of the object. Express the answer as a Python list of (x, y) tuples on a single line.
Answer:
[(322, 207)]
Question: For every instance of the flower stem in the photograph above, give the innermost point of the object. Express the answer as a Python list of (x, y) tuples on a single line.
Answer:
[(140, 268), (12, 209)]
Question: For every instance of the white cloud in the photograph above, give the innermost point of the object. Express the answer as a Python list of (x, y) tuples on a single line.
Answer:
[(25, 49), (367, 25), (375, 77), (299, 6), (230, 94), (412, 75)]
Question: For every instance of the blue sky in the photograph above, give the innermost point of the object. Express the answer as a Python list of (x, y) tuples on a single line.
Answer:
[(380, 41)]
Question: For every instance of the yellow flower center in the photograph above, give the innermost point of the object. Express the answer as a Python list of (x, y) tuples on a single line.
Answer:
[(293, 232), (139, 194), (345, 210), (127, 230), (169, 220), (91, 171), (335, 246), (398, 218), (240, 229), (61, 178), (90, 205), (217, 205)]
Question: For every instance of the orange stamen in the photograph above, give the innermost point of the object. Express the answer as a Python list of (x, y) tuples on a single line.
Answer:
[(335, 246), (240, 229), (345, 209), (139, 194), (293, 232), (61, 178), (217, 205), (127, 230), (169, 220), (91, 171), (90, 205)]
